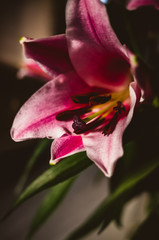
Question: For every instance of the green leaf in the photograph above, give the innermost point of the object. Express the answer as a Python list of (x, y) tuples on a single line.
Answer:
[(108, 208), (49, 205), (64, 170), (39, 149), (156, 102)]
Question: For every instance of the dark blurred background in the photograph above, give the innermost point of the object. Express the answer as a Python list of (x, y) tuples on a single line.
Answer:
[(41, 18)]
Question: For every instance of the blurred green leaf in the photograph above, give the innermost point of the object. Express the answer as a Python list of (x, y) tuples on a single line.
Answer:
[(49, 204), (64, 170), (108, 209), (156, 102), (39, 149)]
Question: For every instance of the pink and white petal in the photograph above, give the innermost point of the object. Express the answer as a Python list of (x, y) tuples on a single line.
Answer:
[(133, 4), (106, 150), (32, 68), (95, 51), (65, 146), (37, 117), (51, 53)]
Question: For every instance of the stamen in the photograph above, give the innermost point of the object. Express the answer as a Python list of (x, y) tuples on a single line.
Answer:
[(97, 122), (83, 98), (104, 109), (68, 114), (119, 108), (100, 99), (78, 124), (109, 128), (99, 106)]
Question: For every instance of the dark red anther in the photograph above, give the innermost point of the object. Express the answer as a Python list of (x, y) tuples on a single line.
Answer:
[(100, 99), (78, 124), (119, 108), (109, 128), (92, 125), (83, 98), (68, 114)]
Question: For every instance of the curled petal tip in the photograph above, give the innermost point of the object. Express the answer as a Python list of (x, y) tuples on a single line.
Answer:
[(133, 61), (12, 133), (22, 40), (52, 162)]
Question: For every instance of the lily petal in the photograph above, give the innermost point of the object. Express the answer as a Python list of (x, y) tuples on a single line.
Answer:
[(95, 51), (37, 117), (50, 52), (65, 146), (109, 147), (31, 68), (133, 4)]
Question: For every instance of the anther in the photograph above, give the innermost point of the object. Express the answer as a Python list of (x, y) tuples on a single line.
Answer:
[(92, 125), (78, 124), (83, 98), (100, 99), (109, 128), (119, 108), (68, 114)]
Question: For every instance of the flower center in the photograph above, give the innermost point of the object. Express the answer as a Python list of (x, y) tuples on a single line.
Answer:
[(99, 111)]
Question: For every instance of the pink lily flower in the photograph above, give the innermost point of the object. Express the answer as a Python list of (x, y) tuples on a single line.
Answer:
[(91, 98), (133, 4)]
